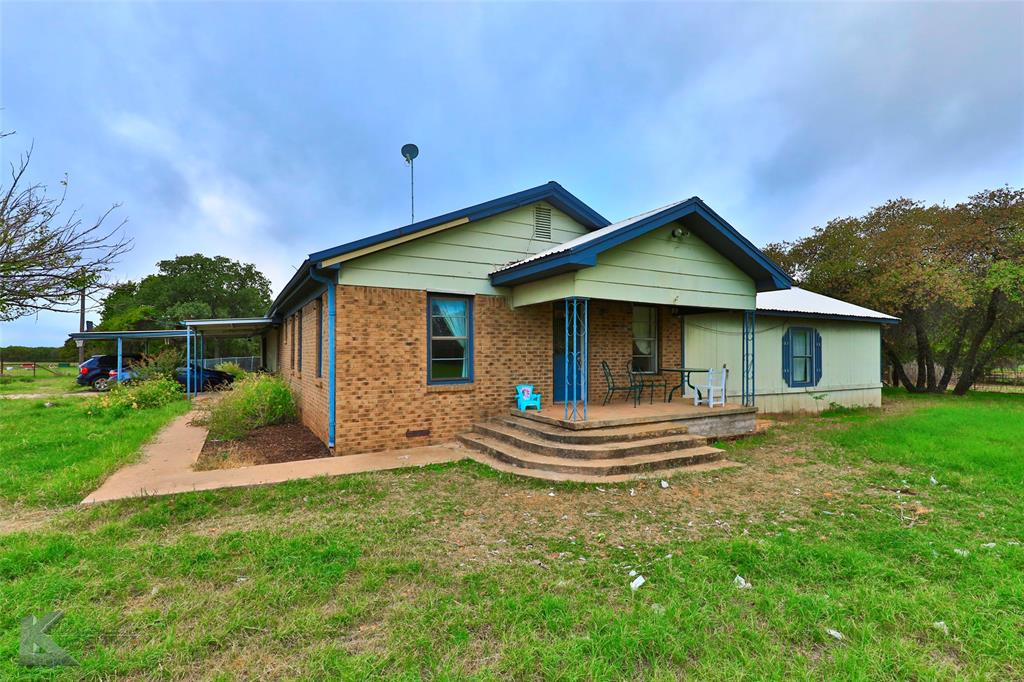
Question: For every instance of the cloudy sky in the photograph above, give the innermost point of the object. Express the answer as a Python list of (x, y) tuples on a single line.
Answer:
[(265, 131)]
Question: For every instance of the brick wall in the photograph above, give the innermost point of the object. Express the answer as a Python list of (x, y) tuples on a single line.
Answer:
[(384, 401), (611, 340), (309, 389)]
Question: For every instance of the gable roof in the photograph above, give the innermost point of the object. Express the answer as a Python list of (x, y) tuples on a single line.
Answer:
[(551, 192), (700, 219), (301, 284), (803, 303)]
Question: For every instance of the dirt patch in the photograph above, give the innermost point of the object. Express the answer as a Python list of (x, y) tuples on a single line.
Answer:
[(265, 445)]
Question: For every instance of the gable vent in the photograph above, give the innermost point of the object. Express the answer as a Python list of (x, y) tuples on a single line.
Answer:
[(542, 223)]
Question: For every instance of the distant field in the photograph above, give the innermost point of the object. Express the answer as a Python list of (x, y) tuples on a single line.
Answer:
[(48, 378)]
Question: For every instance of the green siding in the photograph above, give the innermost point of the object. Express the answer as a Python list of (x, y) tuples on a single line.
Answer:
[(653, 268), (549, 289), (850, 351), (459, 258)]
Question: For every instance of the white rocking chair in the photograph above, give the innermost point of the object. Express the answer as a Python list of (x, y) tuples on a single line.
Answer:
[(714, 392)]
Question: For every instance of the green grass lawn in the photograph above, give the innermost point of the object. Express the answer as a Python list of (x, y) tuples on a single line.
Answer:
[(23, 381), (457, 572), (56, 455)]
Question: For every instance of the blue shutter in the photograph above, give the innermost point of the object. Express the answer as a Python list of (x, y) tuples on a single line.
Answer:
[(786, 358), (817, 357)]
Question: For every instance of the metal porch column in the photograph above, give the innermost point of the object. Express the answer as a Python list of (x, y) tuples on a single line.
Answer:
[(748, 369), (576, 358), (188, 362)]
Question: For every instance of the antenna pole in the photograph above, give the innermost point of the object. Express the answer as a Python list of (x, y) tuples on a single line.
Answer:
[(412, 193)]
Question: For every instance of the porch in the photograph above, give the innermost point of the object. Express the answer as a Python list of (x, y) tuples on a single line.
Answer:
[(728, 420), (596, 343)]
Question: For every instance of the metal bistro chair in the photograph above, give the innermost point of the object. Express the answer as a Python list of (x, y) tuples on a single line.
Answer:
[(652, 382), (632, 389), (715, 388)]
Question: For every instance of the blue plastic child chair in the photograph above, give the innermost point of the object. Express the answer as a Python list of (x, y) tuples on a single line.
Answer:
[(525, 397)]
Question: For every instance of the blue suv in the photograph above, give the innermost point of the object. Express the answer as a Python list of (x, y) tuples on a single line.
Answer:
[(95, 372)]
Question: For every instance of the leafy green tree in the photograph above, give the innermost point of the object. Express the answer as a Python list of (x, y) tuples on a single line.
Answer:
[(190, 287), (954, 275)]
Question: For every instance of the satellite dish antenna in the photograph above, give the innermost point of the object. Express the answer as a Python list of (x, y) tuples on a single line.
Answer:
[(410, 152)]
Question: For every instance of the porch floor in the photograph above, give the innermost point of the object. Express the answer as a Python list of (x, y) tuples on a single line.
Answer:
[(619, 413)]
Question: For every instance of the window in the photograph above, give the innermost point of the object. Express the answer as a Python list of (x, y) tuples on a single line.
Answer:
[(801, 357), (320, 336), (298, 319), (449, 340), (645, 339), (291, 341)]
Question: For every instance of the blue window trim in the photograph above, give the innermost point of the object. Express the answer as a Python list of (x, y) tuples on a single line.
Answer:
[(787, 357), (319, 336), (469, 338)]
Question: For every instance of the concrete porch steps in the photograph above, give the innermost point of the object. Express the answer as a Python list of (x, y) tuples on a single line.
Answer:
[(530, 462), (609, 434), (556, 476), (620, 451), (548, 443)]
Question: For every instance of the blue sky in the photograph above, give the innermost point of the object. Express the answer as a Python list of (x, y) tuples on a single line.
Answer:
[(266, 131)]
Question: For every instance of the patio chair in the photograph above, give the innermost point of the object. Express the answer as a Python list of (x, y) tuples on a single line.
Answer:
[(648, 381), (715, 390), (632, 388), (525, 397)]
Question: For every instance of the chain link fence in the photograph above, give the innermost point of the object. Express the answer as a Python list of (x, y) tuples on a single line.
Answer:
[(250, 363)]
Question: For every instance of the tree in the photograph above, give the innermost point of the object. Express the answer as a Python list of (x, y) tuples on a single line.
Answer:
[(47, 261), (955, 276), (189, 287)]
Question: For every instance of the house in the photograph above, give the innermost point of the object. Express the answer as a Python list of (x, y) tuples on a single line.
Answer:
[(412, 336)]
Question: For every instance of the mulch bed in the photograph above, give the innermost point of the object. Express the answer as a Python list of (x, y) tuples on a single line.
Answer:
[(265, 445)]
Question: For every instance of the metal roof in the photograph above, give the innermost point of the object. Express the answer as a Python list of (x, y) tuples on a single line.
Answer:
[(131, 334), (220, 327), (228, 326), (803, 303)]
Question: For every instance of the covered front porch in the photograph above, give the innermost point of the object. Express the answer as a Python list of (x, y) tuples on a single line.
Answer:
[(603, 349), (730, 419)]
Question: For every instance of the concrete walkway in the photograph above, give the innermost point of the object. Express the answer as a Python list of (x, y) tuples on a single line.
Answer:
[(166, 466)]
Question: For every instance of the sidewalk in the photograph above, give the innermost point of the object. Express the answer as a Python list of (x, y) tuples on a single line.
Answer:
[(166, 466)]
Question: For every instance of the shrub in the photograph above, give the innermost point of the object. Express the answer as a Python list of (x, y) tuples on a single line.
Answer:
[(162, 364), (141, 395), (232, 368), (257, 400)]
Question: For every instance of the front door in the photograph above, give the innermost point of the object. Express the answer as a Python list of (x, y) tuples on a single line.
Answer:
[(558, 338)]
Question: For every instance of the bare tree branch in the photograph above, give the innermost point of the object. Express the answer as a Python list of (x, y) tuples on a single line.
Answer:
[(46, 260)]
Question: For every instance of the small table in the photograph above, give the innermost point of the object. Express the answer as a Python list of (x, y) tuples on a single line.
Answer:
[(684, 380)]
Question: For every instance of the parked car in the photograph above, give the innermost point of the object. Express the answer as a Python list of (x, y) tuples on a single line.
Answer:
[(95, 372), (203, 378)]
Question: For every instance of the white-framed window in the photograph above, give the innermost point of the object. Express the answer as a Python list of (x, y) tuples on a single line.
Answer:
[(645, 339)]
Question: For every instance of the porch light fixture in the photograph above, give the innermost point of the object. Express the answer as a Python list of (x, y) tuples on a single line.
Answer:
[(678, 233)]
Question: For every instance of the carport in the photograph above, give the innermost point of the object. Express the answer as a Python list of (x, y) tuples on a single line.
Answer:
[(194, 333)]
